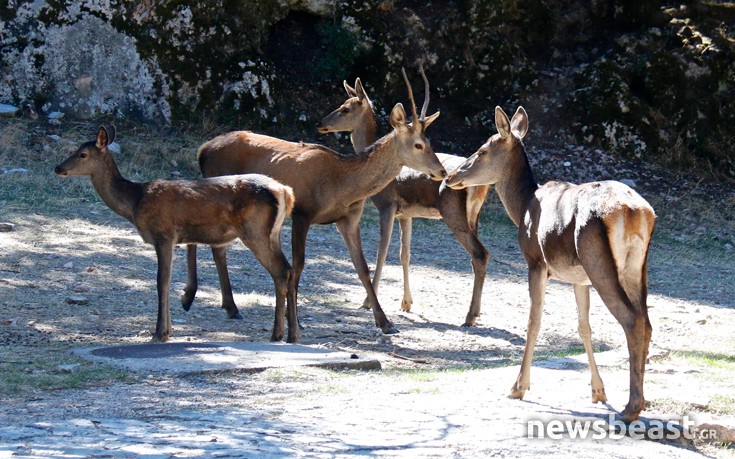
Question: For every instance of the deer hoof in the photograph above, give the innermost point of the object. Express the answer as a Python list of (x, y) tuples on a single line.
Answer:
[(159, 338), (276, 337), (469, 322), (406, 306), (630, 415), (186, 300), (293, 338), (366, 304), (235, 315), (389, 330), (598, 395), (516, 393)]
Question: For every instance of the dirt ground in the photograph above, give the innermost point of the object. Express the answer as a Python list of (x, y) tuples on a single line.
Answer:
[(86, 250)]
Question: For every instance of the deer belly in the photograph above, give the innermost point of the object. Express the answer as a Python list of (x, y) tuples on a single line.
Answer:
[(415, 211), (570, 274), (212, 235)]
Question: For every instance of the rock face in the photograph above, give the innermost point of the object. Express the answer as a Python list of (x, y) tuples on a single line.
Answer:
[(648, 80)]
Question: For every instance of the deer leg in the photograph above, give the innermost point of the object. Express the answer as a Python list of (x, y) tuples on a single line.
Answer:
[(219, 253), (190, 291), (582, 295), (406, 224), (165, 254), (349, 228), (387, 217), (465, 232), (275, 263), (631, 313), (299, 232), (637, 328), (537, 279)]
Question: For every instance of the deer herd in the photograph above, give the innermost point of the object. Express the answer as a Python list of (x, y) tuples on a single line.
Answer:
[(594, 234)]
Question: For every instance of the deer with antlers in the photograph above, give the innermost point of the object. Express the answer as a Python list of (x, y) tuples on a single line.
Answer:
[(411, 195), (213, 211), (329, 187), (594, 234)]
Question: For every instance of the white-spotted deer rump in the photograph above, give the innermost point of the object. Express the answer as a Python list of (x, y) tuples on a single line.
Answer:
[(594, 234), (212, 211), (329, 187), (414, 194)]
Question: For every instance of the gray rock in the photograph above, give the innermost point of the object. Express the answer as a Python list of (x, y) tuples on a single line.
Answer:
[(6, 227), (628, 182), (77, 299), (8, 110)]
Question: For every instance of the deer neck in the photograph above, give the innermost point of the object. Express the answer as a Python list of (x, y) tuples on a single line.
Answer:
[(373, 168), (120, 194), (365, 134), (517, 187)]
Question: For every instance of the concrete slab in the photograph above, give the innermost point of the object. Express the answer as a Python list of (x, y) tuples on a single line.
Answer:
[(193, 358)]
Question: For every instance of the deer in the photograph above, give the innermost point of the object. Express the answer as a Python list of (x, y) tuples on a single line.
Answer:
[(413, 194), (594, 234), (213, 211), (329, 187)]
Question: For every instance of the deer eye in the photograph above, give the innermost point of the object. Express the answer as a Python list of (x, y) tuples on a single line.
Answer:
[(419, 146), (82, 155), (346, 110)]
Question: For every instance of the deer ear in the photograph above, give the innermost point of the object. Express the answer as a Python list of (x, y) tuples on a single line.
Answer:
[(111, 133), (430, 119), (359, 90), (502, 123), (350, 90), (102, 138), (398, 117), (519, 123)]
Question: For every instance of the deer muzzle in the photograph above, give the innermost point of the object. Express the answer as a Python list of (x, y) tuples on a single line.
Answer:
[(61, 172)]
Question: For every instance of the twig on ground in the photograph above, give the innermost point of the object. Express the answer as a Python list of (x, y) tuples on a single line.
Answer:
[(401, 357)]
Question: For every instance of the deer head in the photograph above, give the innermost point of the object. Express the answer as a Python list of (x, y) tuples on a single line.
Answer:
[(350, 114), (410, 138), (87, 158), (495, 159)]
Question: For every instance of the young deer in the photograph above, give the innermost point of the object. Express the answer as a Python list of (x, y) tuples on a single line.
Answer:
[(414, 195), (595, 234), (329, 187), (212, 211)]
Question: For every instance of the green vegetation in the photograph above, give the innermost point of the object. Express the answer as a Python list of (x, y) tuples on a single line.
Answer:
[(26, 371)]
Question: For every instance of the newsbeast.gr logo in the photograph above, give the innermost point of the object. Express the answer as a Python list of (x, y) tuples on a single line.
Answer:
[(598, 429)]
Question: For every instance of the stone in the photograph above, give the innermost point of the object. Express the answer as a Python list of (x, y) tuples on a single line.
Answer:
[(8, 110), (6, 227), (69, 368), (69, 265), (77, 299), (628, 182)]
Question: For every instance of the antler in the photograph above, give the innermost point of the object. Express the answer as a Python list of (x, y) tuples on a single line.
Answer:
[(410, 96), (426, 93)]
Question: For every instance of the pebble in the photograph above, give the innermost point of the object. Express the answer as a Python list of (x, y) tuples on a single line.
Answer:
[(6, 227), (69, 265), (69, 368), (77, 299), (729, 247), (628, 182)]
